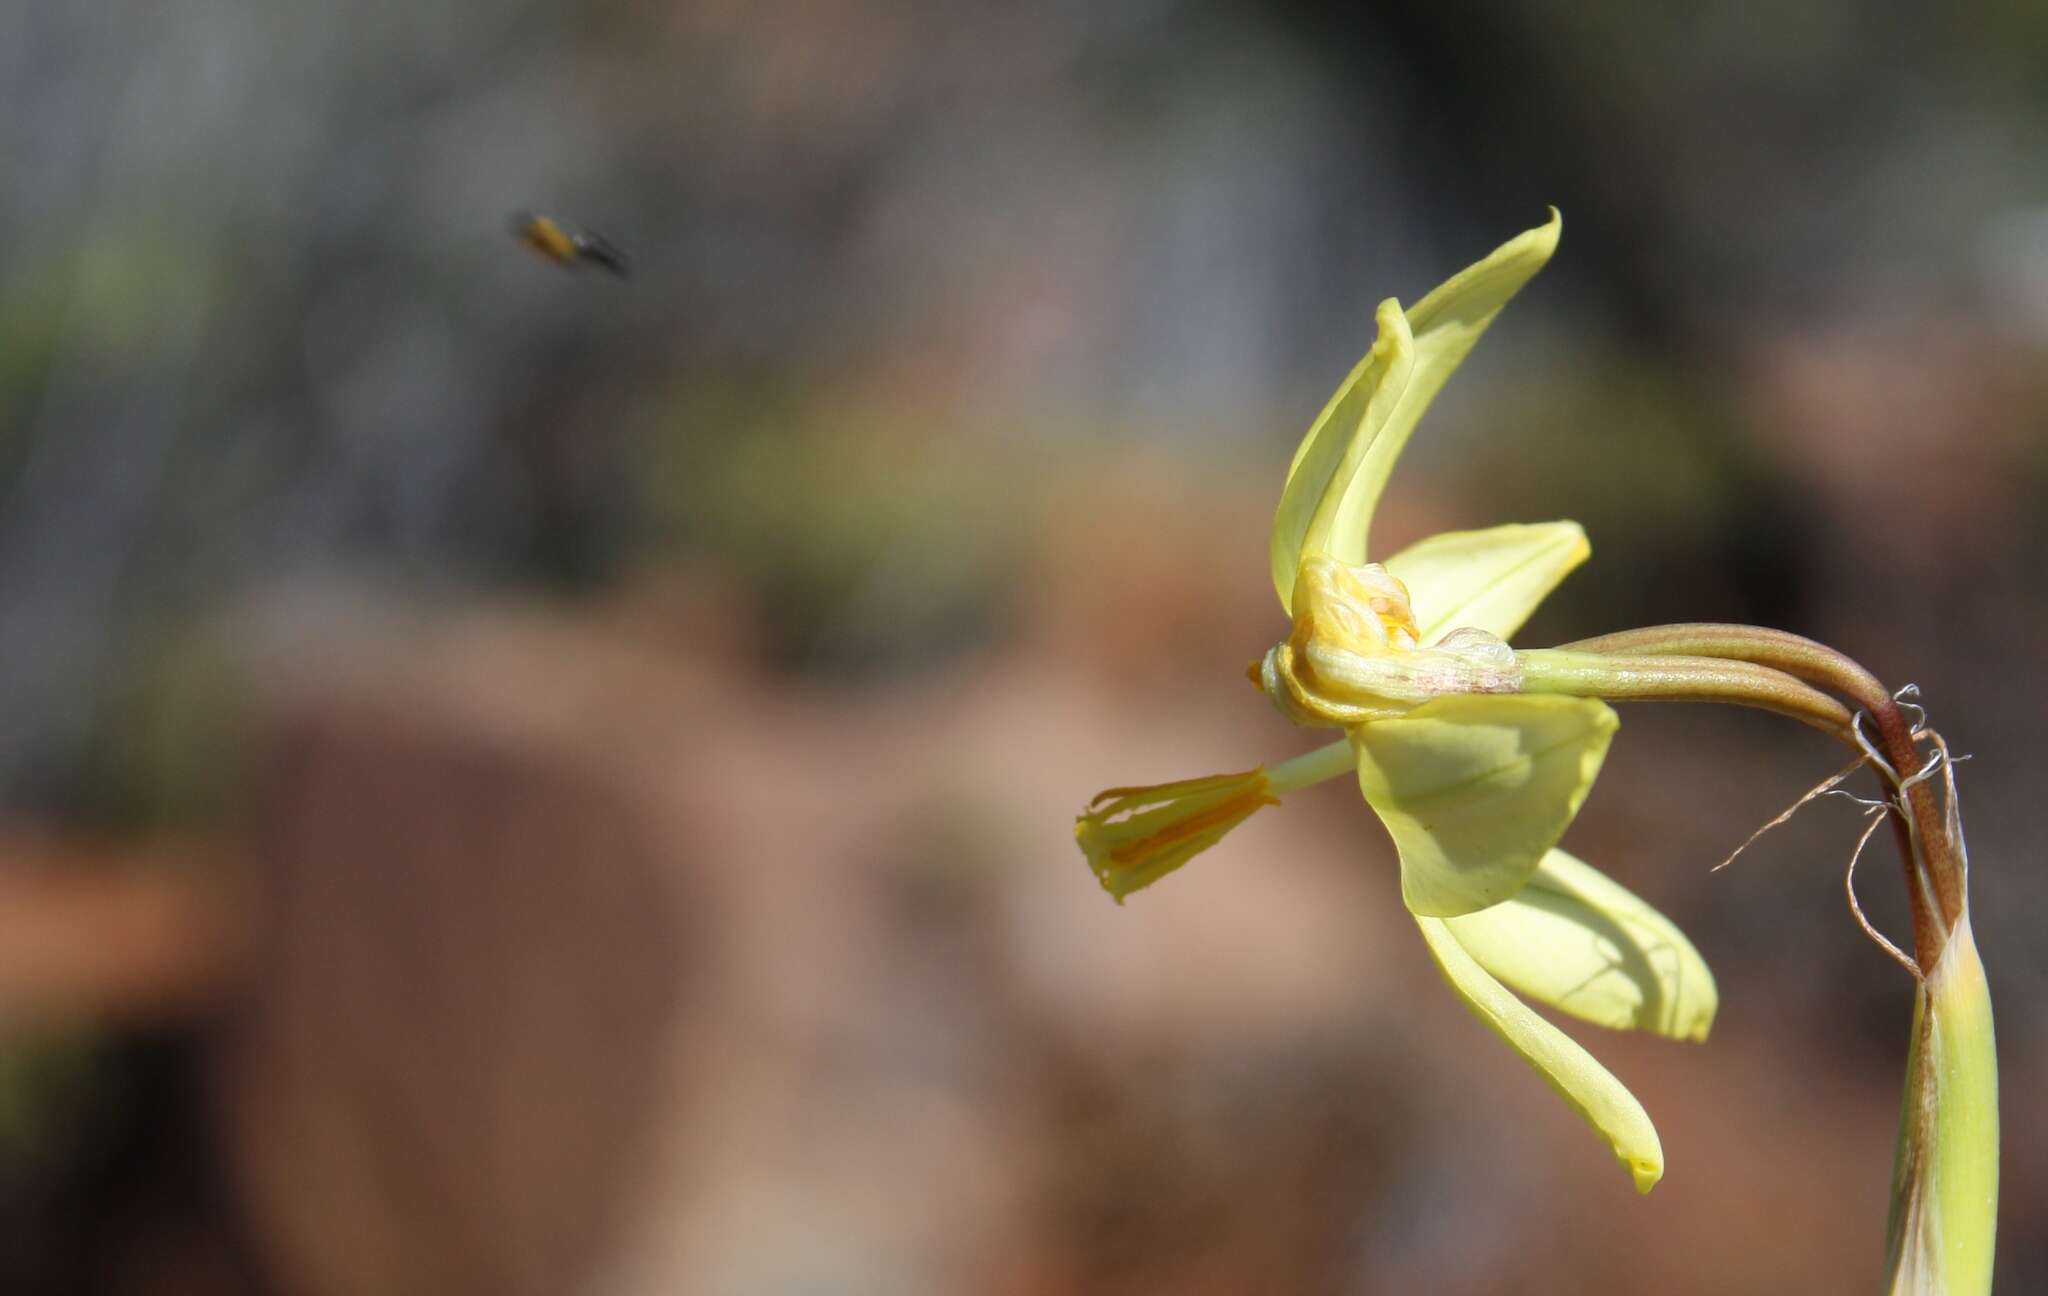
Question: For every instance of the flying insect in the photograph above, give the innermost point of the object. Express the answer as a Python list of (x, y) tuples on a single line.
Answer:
[(567, 246)]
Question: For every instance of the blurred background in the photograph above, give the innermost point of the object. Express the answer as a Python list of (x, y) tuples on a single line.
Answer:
[(522, 782)]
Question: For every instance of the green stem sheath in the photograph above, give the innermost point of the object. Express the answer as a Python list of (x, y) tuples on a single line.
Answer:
[(1673, 678)]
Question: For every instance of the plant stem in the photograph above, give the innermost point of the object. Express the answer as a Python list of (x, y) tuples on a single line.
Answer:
[(1933, 867), (1650, 677)]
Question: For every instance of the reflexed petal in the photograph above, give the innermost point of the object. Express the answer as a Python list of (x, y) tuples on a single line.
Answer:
[(1579, 941), (1590, 1089), (1491, 580), (1476, 788), (1342, 464), (1352, 429)]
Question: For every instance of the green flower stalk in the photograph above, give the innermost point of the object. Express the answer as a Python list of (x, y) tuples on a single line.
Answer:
[(1476, 757)]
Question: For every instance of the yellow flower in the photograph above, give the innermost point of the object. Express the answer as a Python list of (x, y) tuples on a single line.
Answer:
[(1474, 780)]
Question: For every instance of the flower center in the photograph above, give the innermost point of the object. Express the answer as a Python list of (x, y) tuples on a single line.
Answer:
[(1355, 654)]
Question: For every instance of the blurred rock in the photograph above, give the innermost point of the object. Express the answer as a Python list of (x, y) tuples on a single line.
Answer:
[(472, 938)]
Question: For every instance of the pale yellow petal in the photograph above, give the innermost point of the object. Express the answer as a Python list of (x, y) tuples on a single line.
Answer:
[(1589, 1088), (1341, 466), (1490, 580), (1579, 941), (1338, 446), (1475, 788)]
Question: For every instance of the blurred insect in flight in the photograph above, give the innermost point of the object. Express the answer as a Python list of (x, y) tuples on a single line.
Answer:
[(565, 246)]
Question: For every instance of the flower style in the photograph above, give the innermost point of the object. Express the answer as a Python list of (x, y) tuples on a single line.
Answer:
[(1474, 779)]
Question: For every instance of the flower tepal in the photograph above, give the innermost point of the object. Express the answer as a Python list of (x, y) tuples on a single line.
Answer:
[(1341, 466)]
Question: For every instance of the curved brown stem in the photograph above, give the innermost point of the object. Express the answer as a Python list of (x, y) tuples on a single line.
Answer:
[(1934, 877)]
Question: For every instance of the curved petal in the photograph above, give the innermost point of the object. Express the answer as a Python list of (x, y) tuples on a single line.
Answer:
[(1476, 787), (1581, 942), (1341, 466), (1490, 580), (1351, 444), (1589, 1088)]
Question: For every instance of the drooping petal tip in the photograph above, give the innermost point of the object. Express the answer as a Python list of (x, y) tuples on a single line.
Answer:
[(1587, 1087)]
